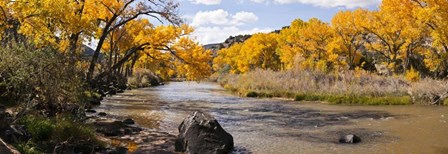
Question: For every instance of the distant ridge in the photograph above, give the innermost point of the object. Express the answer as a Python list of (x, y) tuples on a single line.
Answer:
[(215, 47)]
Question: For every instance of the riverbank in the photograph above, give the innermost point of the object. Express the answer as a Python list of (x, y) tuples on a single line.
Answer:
[(124, 135), (350, 87)]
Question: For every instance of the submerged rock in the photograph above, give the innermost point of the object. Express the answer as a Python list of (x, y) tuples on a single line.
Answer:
[(201, 133), (15, 134), (115, 128), (128, 121), (352, 139), (90, 111), (102, 114)]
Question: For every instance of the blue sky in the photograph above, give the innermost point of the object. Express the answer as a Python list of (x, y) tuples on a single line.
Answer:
[(215, 20)]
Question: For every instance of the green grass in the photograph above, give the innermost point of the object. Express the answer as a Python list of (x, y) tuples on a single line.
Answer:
[(356, 100), (339, 99), (47, 132)]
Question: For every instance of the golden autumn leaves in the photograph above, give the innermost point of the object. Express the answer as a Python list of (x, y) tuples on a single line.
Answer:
[(401, 34), (121, 29)]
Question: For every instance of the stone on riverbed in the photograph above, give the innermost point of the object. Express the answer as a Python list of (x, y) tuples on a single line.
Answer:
[(90, 111), (351, 139), (102, 114), (115, 128), (128, 121), (201, 133)]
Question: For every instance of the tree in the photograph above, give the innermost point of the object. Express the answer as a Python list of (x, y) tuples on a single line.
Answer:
[(395, 35), (164, 44), (349, 38), (114, 14), (434, 14), (287, 40), (310, 41), (227, 59), (259, 52)]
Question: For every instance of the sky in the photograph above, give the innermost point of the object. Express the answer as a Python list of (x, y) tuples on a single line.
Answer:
[(216, 20)]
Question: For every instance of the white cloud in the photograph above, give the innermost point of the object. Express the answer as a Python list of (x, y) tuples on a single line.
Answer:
[(222, 17), (259, 1), (216, 34), (244, 17), (216, 17), (327, 3), (217, 25), (206, 2)]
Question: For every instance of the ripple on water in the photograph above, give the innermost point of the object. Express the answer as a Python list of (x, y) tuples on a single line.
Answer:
[(282, 126)]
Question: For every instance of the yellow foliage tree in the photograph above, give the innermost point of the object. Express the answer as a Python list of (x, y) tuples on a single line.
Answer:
[(259, 51), (288, 38), (227, 59), (349, 38), (395, 33), (311, 41)]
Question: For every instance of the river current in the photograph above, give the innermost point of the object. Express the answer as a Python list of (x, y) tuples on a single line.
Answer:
[(282, 126)]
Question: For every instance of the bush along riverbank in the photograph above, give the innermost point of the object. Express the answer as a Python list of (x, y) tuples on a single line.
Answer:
[(350, 87), (42, 108)]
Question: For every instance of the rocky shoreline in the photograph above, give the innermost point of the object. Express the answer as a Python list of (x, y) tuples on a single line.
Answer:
[(123, 135)]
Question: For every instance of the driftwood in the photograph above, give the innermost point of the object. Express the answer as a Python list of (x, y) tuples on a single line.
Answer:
[(7, 149)]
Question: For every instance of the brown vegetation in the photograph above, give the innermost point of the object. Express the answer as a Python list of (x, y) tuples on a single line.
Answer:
[(349, 87)]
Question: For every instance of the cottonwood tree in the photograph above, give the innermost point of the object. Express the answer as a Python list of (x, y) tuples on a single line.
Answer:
[(288, 42), (434, 14), (163, 44), (349, 38), (226, 59), (115, 14), (63, 23), (259, 51), (395, 35)]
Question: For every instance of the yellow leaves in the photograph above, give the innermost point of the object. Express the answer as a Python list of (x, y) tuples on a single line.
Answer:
[(227, 58), (192, 60), (412, 75), (311, 40), (44, 22), (170, 52)]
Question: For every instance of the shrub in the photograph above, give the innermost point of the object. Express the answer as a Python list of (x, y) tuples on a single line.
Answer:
[(47, 132), (412, 75), (40, 75), (349, 87), (353, 100), (252, 94), (39, 128), (143, 78)]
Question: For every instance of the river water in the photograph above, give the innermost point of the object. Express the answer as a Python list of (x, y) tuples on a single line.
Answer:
[(283, 126)]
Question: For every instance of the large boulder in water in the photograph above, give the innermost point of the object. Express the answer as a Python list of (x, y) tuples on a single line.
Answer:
[(201, 133)]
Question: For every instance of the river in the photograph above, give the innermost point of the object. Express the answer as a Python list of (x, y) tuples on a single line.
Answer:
[(283, 126)]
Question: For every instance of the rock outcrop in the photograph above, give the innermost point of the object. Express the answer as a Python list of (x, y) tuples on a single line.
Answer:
[(201, 133)]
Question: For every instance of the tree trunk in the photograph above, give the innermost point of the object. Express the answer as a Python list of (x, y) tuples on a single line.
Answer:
[(98, 48), (72, 51)]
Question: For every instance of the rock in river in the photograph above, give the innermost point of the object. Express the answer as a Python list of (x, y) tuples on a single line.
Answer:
[(102, 114), (128, 121), (350, 139), (201, 133)]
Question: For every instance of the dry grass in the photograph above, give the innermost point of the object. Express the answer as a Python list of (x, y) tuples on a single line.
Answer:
[(143, 78), (347, 87)]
